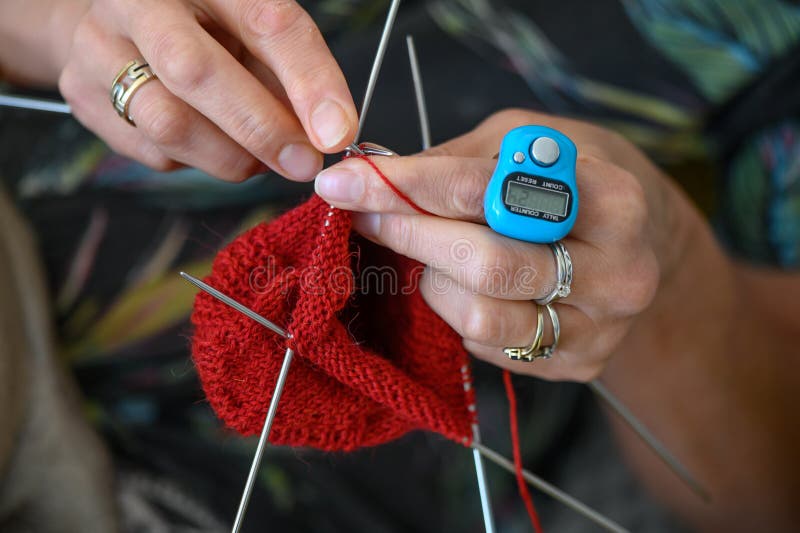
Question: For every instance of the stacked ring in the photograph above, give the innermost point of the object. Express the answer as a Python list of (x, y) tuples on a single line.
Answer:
[(561, 289), (563, 284), (547, 351), (135, 74), (529, 353), (536, 350)]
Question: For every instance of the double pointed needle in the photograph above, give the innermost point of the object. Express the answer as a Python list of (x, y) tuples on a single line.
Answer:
[(276, 397), (287, 359), (613, 402), (650, 440), (480, 471), (478, 448)]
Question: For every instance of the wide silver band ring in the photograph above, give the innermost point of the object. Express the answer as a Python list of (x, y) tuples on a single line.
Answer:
[(563, 284), (132, 76), (535, 350)]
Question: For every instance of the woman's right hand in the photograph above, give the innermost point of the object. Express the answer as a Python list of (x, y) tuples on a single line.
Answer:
[(242, 84)]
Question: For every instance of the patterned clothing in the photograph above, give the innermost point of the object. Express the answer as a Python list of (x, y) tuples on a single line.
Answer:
[(709, 88)]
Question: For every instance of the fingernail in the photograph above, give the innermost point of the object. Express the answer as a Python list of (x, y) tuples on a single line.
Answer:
[(300, 161), (367, 224), (338, 184), (329, 122)]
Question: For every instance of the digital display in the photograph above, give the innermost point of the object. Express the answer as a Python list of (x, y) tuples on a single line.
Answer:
[(537, 199)]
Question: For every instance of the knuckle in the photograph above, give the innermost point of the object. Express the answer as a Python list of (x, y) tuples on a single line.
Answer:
[(256, 133), (482, 326), (634, 285), (510, 117), (85, 36), (306, 82), (164, 125), (400, 230), (179, 60), (641, 284), (154, 158), (592, 153), (69, 85), (269, 19), (586, 373), (160, 163), (495, 271), (240, 171), (463, 192), (630, 200)]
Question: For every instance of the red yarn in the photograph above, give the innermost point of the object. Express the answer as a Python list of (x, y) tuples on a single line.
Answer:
[(521, 485), (392, 186), (373, 363)]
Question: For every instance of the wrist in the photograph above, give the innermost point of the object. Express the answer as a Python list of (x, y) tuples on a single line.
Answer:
[(691, 320)]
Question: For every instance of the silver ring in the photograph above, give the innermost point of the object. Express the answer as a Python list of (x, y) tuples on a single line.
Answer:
[(367, 148), (547, 351), (563, 284), (128, 80)]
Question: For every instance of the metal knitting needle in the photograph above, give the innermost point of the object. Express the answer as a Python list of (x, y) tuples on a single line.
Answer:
[(276, 397), (287, 360), (551, 490), (480, 448), (483, 485), (419, 93), (657, 446), (480, 471), (376, 66), (236, 305), (616, 405), (54, 106), (36, 104)]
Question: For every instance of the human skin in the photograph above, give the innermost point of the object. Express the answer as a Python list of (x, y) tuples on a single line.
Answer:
[(243, 85), (703, 348)]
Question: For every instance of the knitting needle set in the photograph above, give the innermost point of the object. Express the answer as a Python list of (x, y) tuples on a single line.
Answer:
[(524, 197)]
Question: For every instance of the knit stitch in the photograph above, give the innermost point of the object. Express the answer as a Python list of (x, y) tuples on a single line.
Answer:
[(375, 362)]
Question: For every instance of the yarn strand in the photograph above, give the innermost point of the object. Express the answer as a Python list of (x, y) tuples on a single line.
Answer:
[(392, 186), (521, 485)]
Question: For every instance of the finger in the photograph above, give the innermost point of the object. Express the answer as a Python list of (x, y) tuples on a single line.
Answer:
[(565, 364), (482, 261), (179, 131), (267, 79), (187, 136), (580, 355), (198, 70), (283, 36), (478, 318), (454, 187), (451, 187), (488, 325), (83, 95)]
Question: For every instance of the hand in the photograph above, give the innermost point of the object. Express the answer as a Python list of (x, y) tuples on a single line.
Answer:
[(625, 241), (241, 84)]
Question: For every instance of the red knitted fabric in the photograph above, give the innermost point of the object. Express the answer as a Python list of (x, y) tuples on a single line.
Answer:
[(373, 361)]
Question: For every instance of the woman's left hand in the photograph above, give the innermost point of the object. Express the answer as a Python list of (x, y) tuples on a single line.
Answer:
[(626, 240)]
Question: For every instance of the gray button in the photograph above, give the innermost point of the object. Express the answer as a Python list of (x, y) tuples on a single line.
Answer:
[(544, 151), (519, 157)]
